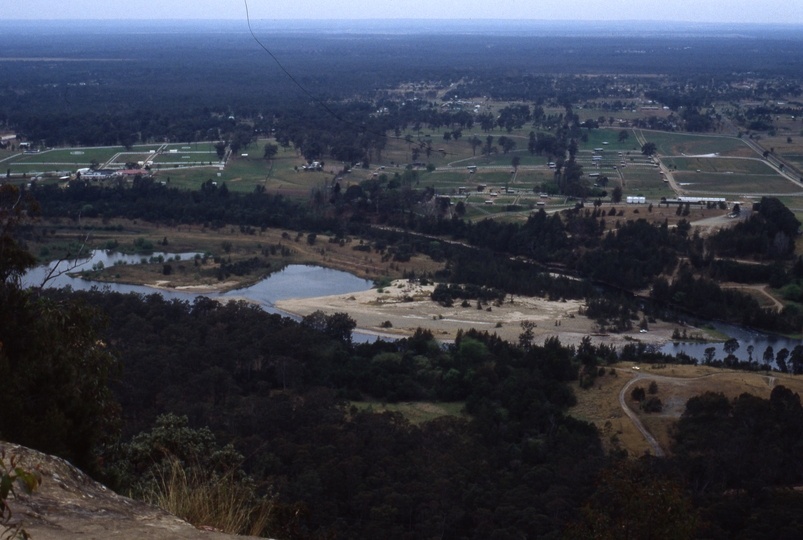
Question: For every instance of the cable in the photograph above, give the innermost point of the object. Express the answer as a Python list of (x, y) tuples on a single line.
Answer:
[(307, 92)]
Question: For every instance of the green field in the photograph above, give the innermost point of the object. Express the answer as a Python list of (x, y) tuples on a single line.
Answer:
[(646, 183), (195, 147), (675, 144), (596, 138), (37, 169), (719, 165), (504, 160), (187, 158), (795, 159), (76, 156), (737, 184)]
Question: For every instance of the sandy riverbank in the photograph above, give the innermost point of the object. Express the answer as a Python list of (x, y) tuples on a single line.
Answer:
[(408, 306)]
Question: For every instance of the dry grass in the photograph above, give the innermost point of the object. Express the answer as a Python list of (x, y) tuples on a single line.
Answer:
[(220, 503), (415, 411), (599, 405), (676, 385)]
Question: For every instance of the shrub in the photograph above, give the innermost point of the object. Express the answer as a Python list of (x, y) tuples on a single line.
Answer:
[(652, 405)]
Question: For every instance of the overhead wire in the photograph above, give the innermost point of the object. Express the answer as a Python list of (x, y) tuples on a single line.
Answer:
[(320, 102)]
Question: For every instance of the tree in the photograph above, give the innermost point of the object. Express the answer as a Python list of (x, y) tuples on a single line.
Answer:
[(638, 394), (616, 194), (270, 151), (769, 354), (649, 149), (52, 360), (515, 162), (632, 503), (220, 149), (475, 142), (780, 360), (653, 388), (623, 135), (796, 359)]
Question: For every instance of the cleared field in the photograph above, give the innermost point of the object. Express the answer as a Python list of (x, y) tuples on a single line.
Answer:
[(735, 183), (77, 156), (18, 168), (647, 183), (674, 144), (416, 411), (598, 137), (196, 147), (504, 160), (529, 178), (127, 157), (188, 157), (720, 165)]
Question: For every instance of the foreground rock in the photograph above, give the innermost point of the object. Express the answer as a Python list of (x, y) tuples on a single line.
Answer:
[(70, 505)]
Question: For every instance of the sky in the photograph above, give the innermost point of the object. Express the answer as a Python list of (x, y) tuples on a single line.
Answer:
[(704, 11)]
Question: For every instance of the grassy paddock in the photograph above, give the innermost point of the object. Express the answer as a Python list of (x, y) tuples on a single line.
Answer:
[(674, 144), (68, 155), (742, 184), (719, 165)]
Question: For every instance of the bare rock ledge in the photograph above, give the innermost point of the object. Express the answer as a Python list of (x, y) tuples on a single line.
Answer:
[(70, 505)]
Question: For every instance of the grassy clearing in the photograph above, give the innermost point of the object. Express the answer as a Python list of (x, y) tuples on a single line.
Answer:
[(645, 182), (505, 160), (195, 147), (674, 144), (597, 138), (736, 184), (720, 165), (416, 412), (599, 405), (77, 156)]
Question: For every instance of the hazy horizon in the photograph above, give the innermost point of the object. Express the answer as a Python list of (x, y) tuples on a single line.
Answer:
[(689, 11)]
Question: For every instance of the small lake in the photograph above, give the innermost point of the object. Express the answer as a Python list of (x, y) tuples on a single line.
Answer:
[(294, 281)]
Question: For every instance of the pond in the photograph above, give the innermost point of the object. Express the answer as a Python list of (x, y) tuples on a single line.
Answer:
[(294, 281)]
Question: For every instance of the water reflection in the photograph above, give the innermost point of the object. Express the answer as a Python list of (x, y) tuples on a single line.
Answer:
[(746, 338)]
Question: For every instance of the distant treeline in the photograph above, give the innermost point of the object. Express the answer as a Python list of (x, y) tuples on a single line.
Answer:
[(140, 93)]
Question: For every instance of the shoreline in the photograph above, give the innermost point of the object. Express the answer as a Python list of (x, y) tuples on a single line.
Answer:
[(407, 307)]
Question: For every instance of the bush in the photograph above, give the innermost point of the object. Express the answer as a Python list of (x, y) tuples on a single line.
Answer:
[(652, 405)]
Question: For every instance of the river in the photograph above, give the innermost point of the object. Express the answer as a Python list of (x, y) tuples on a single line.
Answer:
[(302, 281), (294, 281)]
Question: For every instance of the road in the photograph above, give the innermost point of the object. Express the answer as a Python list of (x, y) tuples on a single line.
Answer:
[(656, 448)]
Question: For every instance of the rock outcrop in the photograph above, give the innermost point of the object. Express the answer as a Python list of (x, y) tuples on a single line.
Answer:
[(70, 505)]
